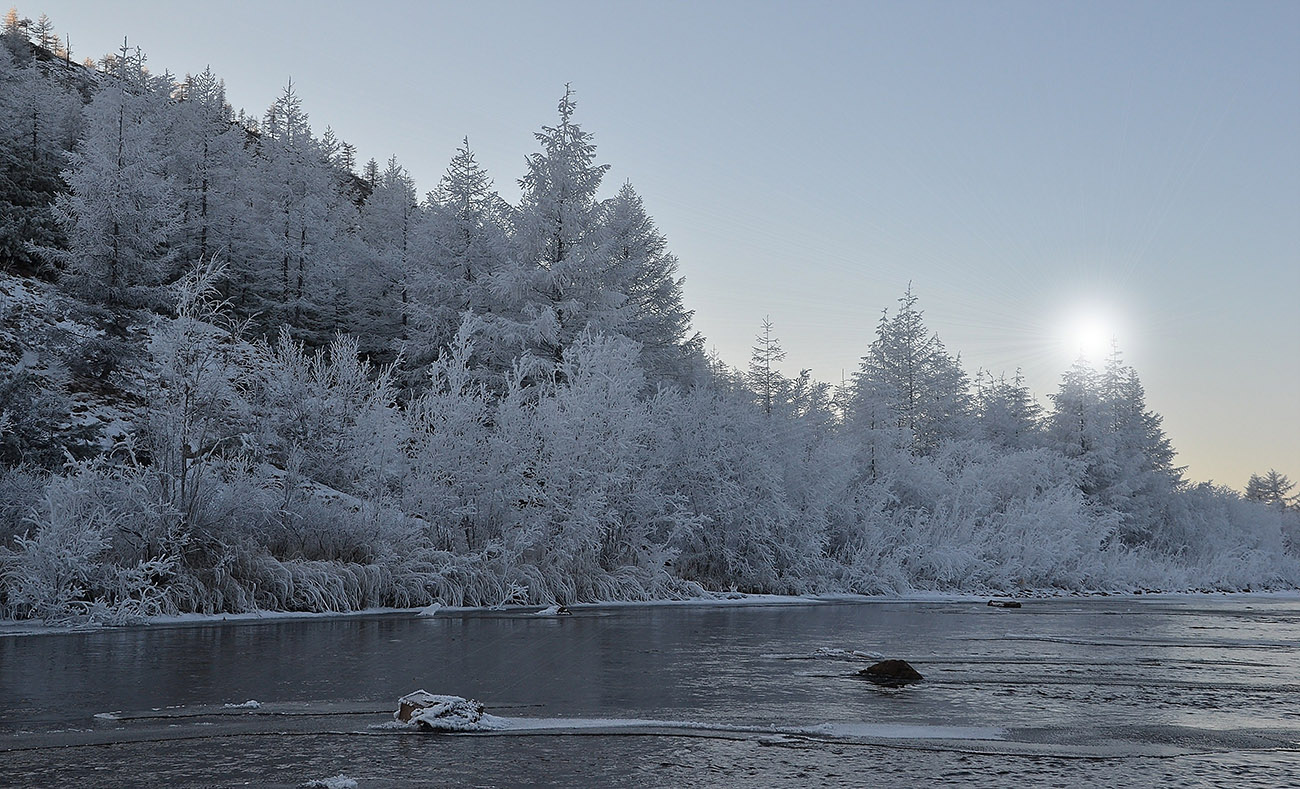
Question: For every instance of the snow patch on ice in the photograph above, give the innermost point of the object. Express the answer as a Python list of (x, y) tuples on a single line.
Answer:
[(339, 781), (251, 704), (429, 610), (830, 653)]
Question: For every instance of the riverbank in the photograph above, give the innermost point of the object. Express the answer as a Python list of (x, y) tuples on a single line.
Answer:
[(12, 628)]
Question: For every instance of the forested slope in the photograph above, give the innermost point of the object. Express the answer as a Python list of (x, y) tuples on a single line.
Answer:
[(237, 374)]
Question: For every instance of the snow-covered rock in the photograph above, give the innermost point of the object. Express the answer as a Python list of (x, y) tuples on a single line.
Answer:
[(431, 712)]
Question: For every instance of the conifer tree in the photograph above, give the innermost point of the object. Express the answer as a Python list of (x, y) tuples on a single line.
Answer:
[(465, 269), (379, 288), (765, 381), (1271, 488), (302, 219), (1007, 412), (922, 385), (39, 122), (633, 261), (120, 213), (204, 153), (555, 235)]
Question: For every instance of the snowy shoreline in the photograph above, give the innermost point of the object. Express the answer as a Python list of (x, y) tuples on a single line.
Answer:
[(10, 628)]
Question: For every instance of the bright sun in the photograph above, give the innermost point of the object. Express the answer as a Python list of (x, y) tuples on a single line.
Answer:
[(1090, 334)]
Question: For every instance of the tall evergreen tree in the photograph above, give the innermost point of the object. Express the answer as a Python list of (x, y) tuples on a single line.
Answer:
[(922, 385), (555, 233), (765, 381), (466, 269), (1006, 412), (379, 288), (120, 213), (205, 149), (1271, 488), (39, 123), (297, 208), (633, 261)]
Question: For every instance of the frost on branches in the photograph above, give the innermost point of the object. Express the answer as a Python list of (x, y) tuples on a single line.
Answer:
[(328, 394)]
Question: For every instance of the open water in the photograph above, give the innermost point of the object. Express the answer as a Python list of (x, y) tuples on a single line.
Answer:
[(1144, 691)]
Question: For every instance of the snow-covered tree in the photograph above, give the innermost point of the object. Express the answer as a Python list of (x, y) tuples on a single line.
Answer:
[(633, 260), (379, 286), (556, 235), (465, 266), (302, 220), (1101, 419), (203, 158), (765, 381), (1271, 488), (1006, 411), (39, 122), (120, 213), (909, 373)]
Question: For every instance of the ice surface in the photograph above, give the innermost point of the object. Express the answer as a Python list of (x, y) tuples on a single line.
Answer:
[(339, 781)]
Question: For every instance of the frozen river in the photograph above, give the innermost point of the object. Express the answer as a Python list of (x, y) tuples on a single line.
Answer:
[(1069, 692)]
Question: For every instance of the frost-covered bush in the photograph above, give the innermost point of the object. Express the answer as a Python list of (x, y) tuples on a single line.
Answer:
[(20, 488), (726, 461), (1215, 539), (89, 554), (329, 414)]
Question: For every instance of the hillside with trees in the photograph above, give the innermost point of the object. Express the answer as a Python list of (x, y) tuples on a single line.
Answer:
[(238, 371)]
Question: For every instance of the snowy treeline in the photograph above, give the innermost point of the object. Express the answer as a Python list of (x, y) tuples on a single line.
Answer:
[(343, 396)]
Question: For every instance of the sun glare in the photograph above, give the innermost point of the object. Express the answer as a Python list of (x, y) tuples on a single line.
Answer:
[(1089, 334)]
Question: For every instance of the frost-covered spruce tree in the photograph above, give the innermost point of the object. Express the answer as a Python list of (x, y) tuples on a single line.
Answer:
[(39, 122), (299, 214), (379, 286), (120, 212), (919, 382), (464, 269), (1144, 477), (1272, 488), (557, 277), (204, 154), (765, 381), (633, 260), (1006, 413), (1101, 420)]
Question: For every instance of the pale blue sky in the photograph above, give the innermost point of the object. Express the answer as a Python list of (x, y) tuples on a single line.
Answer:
[(1018, 162)]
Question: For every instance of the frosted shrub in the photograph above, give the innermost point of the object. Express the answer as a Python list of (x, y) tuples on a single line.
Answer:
[(455, 480), (65, 568), (330, 414), (20, 488)]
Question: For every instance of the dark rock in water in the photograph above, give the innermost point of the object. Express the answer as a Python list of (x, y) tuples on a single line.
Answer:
[(1005, 603), (891, 673), (563, 611)]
